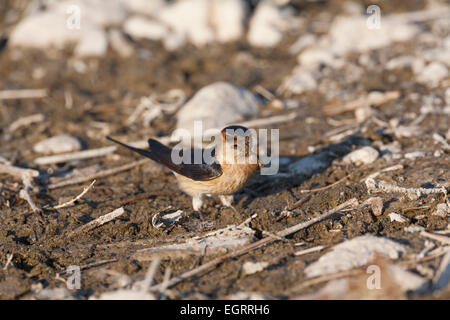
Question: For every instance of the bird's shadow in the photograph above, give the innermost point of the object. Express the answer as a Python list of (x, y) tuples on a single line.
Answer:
[(295, 170)]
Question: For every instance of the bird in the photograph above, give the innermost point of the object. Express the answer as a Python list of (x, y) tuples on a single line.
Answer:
[(222, 177)]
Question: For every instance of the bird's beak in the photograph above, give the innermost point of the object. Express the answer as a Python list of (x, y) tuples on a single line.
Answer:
[(260, 164)]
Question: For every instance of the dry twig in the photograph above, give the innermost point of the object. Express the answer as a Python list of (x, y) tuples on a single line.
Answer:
[(97, 175), (309, 250), (268, 121), (23, 94), (98, 222), (25, 121), (8, 261), (69, 203), (437, 237), (80, 155), (374, 100)]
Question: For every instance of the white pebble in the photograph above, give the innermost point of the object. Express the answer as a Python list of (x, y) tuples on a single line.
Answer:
[(217, 105), (254, 267), (414, 155), (365, 155), (58, 144), (442, 210), (143, 28), (267, 25), (120, 44), (397, 217), (433, 73)]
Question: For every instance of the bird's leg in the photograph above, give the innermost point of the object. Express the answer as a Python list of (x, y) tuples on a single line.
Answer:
[(227, 201), (197, 202)]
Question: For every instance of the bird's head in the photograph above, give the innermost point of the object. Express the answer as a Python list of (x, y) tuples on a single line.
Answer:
[(239, 145)]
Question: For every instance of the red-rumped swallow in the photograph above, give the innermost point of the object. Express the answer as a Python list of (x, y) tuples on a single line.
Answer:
[(222, 177)]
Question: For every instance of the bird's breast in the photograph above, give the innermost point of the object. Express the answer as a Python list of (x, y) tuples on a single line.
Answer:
[(233, 178)]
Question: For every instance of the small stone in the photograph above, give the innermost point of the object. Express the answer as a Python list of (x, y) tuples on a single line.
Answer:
[(302, 42), (254, 267), (92, 44), (413, 229), (376, 204), (228, 19), (146, 7), (142, 28), (58, 144), (216, 106), (120, 44), (364, 113), (190, 18), (267, 25), (365, 155), (442, 210), (414, 155), (397, 217), (433, 73), (354, 253), (299, 81)]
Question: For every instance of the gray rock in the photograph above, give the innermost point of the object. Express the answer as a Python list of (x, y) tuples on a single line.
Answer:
[(57, 144), (217, 105), (56, 26), (354, 253), (143, 28), (365, 155)]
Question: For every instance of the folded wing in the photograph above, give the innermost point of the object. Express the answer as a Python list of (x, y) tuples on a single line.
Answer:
[(163, 155)]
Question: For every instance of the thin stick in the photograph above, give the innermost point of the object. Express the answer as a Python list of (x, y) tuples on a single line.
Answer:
[(255, 245), (25, 121), (300, 202), (17, 171), (150, 275), (93, 153), (437, 237), (98, 222), (424, 259), (8, 261), (100, 174), (69, 203), (26, 175), (270, 120), (309, 250), (25, 192), (374, 100), (166, 279), (23, 94)]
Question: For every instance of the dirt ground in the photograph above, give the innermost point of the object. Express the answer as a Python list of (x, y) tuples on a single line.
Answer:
[(105, 96)]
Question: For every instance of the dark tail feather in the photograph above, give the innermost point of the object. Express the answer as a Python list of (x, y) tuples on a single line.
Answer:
[(143, 152)]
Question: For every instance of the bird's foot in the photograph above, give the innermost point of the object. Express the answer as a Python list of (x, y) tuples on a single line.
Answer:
[(227, 201)]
